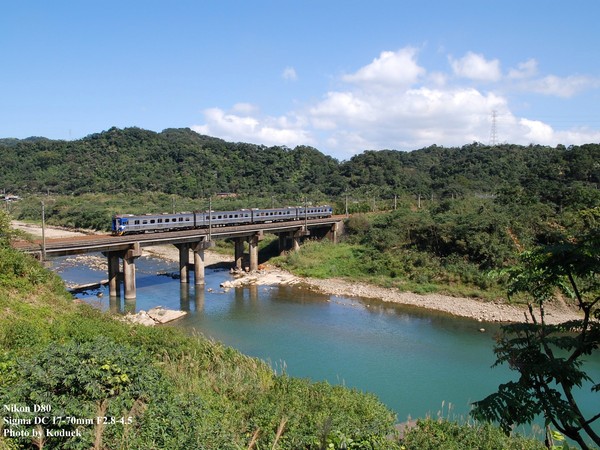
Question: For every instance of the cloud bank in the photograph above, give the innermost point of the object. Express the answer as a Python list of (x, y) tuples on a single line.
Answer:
[(394, 102)]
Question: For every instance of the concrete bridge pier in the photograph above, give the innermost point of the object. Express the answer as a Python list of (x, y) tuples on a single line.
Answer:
[(282, 242), (286, 241), (184, 262), (335, 231), (198, 249), (253, 244), (114, 281), (128, 275), (297, 236), (129, 270), (239, 252)]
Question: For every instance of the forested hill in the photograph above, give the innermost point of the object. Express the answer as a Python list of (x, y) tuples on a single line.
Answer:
[(180, 161)]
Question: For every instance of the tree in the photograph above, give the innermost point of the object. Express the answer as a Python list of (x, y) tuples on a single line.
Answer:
[(549, 358)]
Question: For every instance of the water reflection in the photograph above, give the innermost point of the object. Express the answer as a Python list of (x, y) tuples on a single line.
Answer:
[(188, 303), (115, 305)]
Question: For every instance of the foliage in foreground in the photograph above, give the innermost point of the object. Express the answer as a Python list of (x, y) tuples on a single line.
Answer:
[(550, 359), (157, 387), (432, 434)]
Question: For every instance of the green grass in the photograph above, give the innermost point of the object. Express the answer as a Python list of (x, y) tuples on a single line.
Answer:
[(432, 434), (182, 391), (322, 260), (405, 270)]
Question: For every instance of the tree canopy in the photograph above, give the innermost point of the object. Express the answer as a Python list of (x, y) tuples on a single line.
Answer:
[(182, 162), (550, 359)]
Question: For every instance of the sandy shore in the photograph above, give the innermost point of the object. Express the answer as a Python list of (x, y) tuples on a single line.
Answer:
[(463, 307)]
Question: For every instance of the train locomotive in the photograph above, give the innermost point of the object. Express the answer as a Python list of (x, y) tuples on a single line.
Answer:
[(123, 224)]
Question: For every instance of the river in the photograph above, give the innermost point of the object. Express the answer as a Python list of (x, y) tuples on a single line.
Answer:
[(418, 363)]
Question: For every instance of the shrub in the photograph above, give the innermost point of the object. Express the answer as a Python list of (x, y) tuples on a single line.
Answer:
[(433, 435)]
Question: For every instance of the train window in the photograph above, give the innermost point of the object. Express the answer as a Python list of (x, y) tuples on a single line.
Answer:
[(152, 220), (136, 222), (181, 219), (219, 217), (144, 222), (159, 220), (167, 220), (187, 219)]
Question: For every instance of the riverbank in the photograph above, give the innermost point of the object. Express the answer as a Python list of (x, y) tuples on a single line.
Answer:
[(461, 307), (270, 275)]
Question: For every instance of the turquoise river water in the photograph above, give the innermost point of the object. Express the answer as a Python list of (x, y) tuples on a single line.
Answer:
[(417, 362)]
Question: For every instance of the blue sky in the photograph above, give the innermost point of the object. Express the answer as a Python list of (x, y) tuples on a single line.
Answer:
[(342, 76)]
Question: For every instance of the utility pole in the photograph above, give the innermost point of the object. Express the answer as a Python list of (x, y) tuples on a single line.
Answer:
[(305, 215), (395, 202), (347, 215), (43, 231), (210, 218)]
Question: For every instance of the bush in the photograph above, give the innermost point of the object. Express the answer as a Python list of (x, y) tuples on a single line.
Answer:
[(81, 381), (434, 435)]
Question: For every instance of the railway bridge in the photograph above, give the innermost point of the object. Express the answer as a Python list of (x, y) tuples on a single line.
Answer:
[(128, 248)]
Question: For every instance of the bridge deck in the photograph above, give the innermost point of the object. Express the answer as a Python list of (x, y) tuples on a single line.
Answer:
[(108, 243)]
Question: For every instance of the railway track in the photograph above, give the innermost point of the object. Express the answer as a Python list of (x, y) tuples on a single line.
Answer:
[(100, 243)]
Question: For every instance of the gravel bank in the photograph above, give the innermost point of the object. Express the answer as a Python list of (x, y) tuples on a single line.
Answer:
[(462, 307)]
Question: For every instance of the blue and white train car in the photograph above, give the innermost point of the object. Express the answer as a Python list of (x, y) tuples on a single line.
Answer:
[(131, 224)]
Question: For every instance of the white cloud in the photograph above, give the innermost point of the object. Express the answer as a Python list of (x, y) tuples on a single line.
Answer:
[(405, 120), (525, 69), (535, 131), (395, 103), (438, 78), (563, 87), (289, 74), (234, 126), (390, 69), (347, 105), (476, 67), (244, 108)]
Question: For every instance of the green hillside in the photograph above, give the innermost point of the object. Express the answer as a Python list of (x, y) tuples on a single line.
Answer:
[(182, 162)]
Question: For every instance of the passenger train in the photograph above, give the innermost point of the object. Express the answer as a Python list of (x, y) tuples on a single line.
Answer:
[(130, 224)]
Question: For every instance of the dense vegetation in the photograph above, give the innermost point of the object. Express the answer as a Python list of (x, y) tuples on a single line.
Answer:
[(182, 162), (551, 359)]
